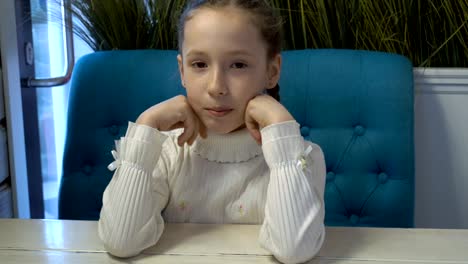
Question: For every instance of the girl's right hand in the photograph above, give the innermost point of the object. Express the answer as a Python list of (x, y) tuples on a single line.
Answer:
[(172, 114)]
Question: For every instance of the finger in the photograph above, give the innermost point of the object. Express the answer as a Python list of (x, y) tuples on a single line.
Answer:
[(188, 130), (202, 129), (252, 126), (177, 125), (256, 135), (185, 136), (196, 127), (194, 135)]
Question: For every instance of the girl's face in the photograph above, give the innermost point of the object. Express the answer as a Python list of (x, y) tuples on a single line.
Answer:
[(224, 65)]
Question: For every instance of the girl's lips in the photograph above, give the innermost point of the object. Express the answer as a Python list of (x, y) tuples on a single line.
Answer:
[(218, 112)]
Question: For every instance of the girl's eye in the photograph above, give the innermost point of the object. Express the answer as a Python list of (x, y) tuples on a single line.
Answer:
[(199, 64), (239, 65)]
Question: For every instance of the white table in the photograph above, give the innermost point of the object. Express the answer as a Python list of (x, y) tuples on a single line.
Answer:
[(57, 241)]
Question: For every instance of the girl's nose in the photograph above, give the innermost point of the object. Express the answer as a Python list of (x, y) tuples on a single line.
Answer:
[(217, 85)]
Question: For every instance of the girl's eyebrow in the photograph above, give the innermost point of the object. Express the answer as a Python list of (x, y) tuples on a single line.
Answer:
[(233, 52), (195, 53), (241, 52)]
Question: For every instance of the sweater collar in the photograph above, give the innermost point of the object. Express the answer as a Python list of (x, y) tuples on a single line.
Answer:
[(237, 146)]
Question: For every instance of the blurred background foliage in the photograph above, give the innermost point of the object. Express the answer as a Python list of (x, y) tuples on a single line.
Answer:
[(431, 33)]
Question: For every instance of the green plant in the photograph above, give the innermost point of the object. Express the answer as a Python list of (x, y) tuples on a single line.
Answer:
[(429, 32), (126, 24)]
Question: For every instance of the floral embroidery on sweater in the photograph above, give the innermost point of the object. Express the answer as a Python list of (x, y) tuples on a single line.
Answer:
[(183, 206), (241, 210)]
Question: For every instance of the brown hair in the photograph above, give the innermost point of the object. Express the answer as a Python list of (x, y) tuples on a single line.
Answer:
[(264, 17)]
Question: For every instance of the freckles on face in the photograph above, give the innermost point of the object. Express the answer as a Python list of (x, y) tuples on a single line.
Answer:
[(224, 65)]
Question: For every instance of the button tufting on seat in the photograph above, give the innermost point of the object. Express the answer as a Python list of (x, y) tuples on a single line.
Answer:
[(359, 130), (354, 219), (113, 130), (383, 177), (87, 169), (304, 131), (330, 176)]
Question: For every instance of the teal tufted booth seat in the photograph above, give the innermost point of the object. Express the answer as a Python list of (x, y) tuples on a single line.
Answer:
[(357, 105)]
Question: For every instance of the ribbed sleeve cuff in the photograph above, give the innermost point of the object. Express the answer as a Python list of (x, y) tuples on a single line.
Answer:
[(144, 133), (282, 142), (141, 146)]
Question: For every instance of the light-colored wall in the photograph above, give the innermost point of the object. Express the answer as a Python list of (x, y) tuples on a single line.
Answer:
[(441, 146)]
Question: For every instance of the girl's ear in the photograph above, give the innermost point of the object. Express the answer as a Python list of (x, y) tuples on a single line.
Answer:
[(181, 69), (274, 71)]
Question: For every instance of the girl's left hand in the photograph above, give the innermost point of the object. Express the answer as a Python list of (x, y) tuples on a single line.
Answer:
[(263, 110)]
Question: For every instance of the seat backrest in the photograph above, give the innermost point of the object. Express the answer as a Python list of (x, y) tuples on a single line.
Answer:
[(357, 105), (108, 90)]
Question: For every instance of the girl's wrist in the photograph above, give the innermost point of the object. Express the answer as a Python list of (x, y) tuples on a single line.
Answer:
[(282, 143), (144, 119), (286, 128), (281, 119)]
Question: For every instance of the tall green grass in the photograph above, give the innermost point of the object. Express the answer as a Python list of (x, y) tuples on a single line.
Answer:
[(429, 32), (126, 24)]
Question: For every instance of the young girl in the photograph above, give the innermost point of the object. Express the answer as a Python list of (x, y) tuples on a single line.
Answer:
[(225, 153)]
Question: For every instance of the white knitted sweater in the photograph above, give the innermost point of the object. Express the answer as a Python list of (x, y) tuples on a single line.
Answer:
[(220, 179)]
